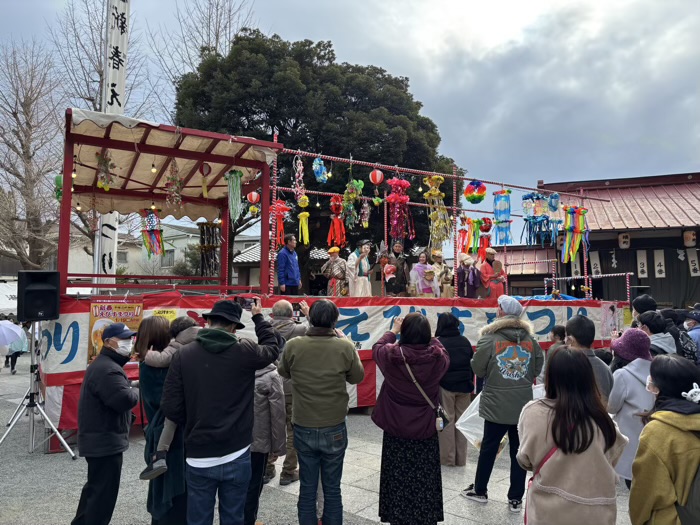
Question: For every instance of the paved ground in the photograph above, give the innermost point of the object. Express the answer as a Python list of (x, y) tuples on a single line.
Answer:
[(44, 489)]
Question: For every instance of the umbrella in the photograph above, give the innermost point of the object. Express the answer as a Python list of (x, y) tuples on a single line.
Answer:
[(20, 345), (9, 332)]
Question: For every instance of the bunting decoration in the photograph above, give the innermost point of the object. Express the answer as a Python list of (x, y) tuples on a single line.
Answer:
[(173, 185), (279, 213), (501, 215), (235, 202), (440, 222), (400, 217), (336, 234), (304, 221), (152, 233)]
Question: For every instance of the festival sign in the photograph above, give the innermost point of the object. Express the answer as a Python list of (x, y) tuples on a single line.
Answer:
[(104, 314)]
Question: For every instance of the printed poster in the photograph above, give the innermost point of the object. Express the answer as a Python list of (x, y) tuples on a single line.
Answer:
[(609, 320), (169, 313), (104, 314)]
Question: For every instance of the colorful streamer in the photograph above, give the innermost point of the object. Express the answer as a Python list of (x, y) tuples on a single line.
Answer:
[(440, 222), (576, 232), (336, 233), (235, 201), (400, 216), (152, 233)]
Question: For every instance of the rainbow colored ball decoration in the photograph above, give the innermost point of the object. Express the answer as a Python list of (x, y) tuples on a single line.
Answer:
[(475, 192)]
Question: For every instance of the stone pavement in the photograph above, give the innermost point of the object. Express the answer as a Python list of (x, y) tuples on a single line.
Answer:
[(44, 489)]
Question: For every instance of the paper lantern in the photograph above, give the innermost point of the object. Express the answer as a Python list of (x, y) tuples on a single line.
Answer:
[(376, 177), (253, 197), (486, 225), (689, 238), (475, 192), (624, 240)]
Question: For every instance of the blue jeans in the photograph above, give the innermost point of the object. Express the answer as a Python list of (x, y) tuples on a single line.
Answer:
[(230, 480), (320, 450)]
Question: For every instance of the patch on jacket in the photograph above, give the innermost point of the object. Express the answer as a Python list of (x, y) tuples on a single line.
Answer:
[(513, 359)]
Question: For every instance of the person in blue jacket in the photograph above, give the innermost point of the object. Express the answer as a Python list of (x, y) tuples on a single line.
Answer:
[(288, 276)]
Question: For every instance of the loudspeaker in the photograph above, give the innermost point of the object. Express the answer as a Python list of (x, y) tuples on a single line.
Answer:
[(37, 295)]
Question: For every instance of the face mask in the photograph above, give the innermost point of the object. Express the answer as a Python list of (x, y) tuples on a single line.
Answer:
[(686, 325), (124, 347), (651, 387)]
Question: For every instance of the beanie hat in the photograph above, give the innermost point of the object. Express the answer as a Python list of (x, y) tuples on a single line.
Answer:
[(634, 344), (510, 305), (644, 303)]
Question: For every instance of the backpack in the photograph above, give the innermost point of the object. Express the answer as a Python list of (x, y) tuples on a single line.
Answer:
[(688, 348), (689, 514)]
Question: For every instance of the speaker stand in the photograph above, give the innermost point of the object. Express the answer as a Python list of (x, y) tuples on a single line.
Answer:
[(31, 408)]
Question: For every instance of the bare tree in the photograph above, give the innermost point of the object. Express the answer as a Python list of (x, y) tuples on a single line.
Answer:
[(29, 128), (203, 27)]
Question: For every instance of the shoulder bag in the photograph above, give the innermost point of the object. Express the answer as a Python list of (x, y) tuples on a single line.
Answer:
[(441, 420)]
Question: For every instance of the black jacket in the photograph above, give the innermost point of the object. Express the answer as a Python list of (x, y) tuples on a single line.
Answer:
[(459, 376), (104, 410), (209, 388)]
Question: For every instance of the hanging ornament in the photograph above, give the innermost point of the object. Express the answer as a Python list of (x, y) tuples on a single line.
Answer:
[(58, 191), (475, 192), (576, 231), (205, 170), (304, 220), (320, 171), (554, 202), (235, 203), (336, 234), (353, 193), (364, 214), (253, 197), (173, 185), (209, 248), (376, 177), (440, 223), (104, 169), (152, 233), (279, 214), (463, 234), (501, 216), (299, 188), (485, 226), (401, 219)]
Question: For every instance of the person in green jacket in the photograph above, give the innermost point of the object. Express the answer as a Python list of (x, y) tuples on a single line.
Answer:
[(509, 358)]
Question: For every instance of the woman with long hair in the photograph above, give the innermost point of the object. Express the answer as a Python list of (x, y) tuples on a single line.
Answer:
[(410, 483), (423, 278), (668, 457), (167, 495), (455, 389), (570, 443)]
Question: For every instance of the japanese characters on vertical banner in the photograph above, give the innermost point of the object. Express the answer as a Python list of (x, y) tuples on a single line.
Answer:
[(117, 42), (642, 266), (659, 264), (104, 314), (693, 262), (595, 263), (576, 266)]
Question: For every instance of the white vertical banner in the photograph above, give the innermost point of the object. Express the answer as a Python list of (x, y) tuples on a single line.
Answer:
[(642, 266), (693, 262), (576, 267), (113, 100), (595, 263), (659, 264)]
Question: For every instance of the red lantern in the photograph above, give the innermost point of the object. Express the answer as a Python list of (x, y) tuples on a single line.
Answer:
[(253, 197), (376, 177), (486, 225)]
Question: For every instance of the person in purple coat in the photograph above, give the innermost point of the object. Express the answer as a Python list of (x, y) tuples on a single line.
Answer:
[(410, 484)]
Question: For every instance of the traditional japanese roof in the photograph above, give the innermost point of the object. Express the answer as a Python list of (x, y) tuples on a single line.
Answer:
[(136, 146), (659, 202), (252, 255)]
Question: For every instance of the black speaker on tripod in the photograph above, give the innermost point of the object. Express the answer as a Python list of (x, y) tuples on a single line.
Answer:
[(37, 295)]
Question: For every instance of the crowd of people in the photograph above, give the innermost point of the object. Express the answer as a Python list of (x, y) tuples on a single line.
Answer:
[(221, 409)]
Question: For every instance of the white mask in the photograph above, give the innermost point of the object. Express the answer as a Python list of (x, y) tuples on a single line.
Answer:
[(124, 347), (686, 325)]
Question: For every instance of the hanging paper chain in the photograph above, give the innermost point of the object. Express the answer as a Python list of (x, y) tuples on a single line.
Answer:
[(299, 188), (401, 220), (440, 222), (336, 233), (104, 169), (235, 201), (173, 185), (151, 233)]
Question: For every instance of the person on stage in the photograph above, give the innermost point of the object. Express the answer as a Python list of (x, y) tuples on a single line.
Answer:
[(397, 258), (359, 270), (288, 275), (423, 278), (468, 277), (444, 275), (492, 276), (335, 270)]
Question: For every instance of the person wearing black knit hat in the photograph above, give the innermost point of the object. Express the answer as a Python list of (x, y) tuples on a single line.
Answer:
[(643, 303)]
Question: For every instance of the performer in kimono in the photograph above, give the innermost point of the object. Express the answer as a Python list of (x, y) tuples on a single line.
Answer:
[(492, 277), (360, 270), (443, 274), (423, 278), (335, 270), (397, 258), (468, 277)]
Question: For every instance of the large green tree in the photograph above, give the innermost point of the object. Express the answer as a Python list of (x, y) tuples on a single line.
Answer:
[(266, 84)]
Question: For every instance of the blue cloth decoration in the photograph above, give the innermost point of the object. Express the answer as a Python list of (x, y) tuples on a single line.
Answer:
[(320, 171)]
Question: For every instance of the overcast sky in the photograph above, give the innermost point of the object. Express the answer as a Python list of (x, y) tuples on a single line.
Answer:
[(520, 90)]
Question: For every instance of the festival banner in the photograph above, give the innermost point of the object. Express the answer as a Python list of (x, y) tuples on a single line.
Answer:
[(642, 266), (659, 264), (104, 314), (595, 263), (693, 264)]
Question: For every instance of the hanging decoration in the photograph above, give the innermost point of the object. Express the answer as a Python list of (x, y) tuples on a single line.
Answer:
[(463, 240), (542, 219), (440, 222), (279, 212), (320, 171), (209, 248), (173, 185), (299, 188), (353, 193), (304, 220), (576, 231), (475, 192), (401, 219), (364, 214), (205, 170), (336, 234), (104, 169), (501, 217), (58, 191), (235, 203), (376, 177), (484, 236), (152, 233), (253, 198)]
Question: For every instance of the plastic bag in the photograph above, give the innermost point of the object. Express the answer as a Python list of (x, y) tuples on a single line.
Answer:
[(471, 424), (538, 391)]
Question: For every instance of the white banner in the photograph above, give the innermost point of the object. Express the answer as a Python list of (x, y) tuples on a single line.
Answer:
[(693, 262), (595, 263), (576, 266), (114, 89), (642, 266), (659, 264)]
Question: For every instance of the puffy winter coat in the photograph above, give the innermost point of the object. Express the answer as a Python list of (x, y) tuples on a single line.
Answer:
[(288, 268), (662, 344), (289, 329), (270, 423)]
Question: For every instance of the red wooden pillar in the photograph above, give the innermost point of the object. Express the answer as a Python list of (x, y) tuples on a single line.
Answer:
[(266, 278), (65, 215), (225, 236)]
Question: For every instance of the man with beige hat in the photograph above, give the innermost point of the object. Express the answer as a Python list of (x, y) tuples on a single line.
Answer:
[(492, 276), (335, 270)]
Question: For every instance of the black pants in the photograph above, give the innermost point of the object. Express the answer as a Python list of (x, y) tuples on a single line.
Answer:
[(291, 290), (177, 515), (11, 359), (258, 463), (100, 492), (493, 434)]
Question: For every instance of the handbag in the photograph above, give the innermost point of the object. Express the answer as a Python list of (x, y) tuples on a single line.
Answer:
[(441, 420), (537, 471)]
